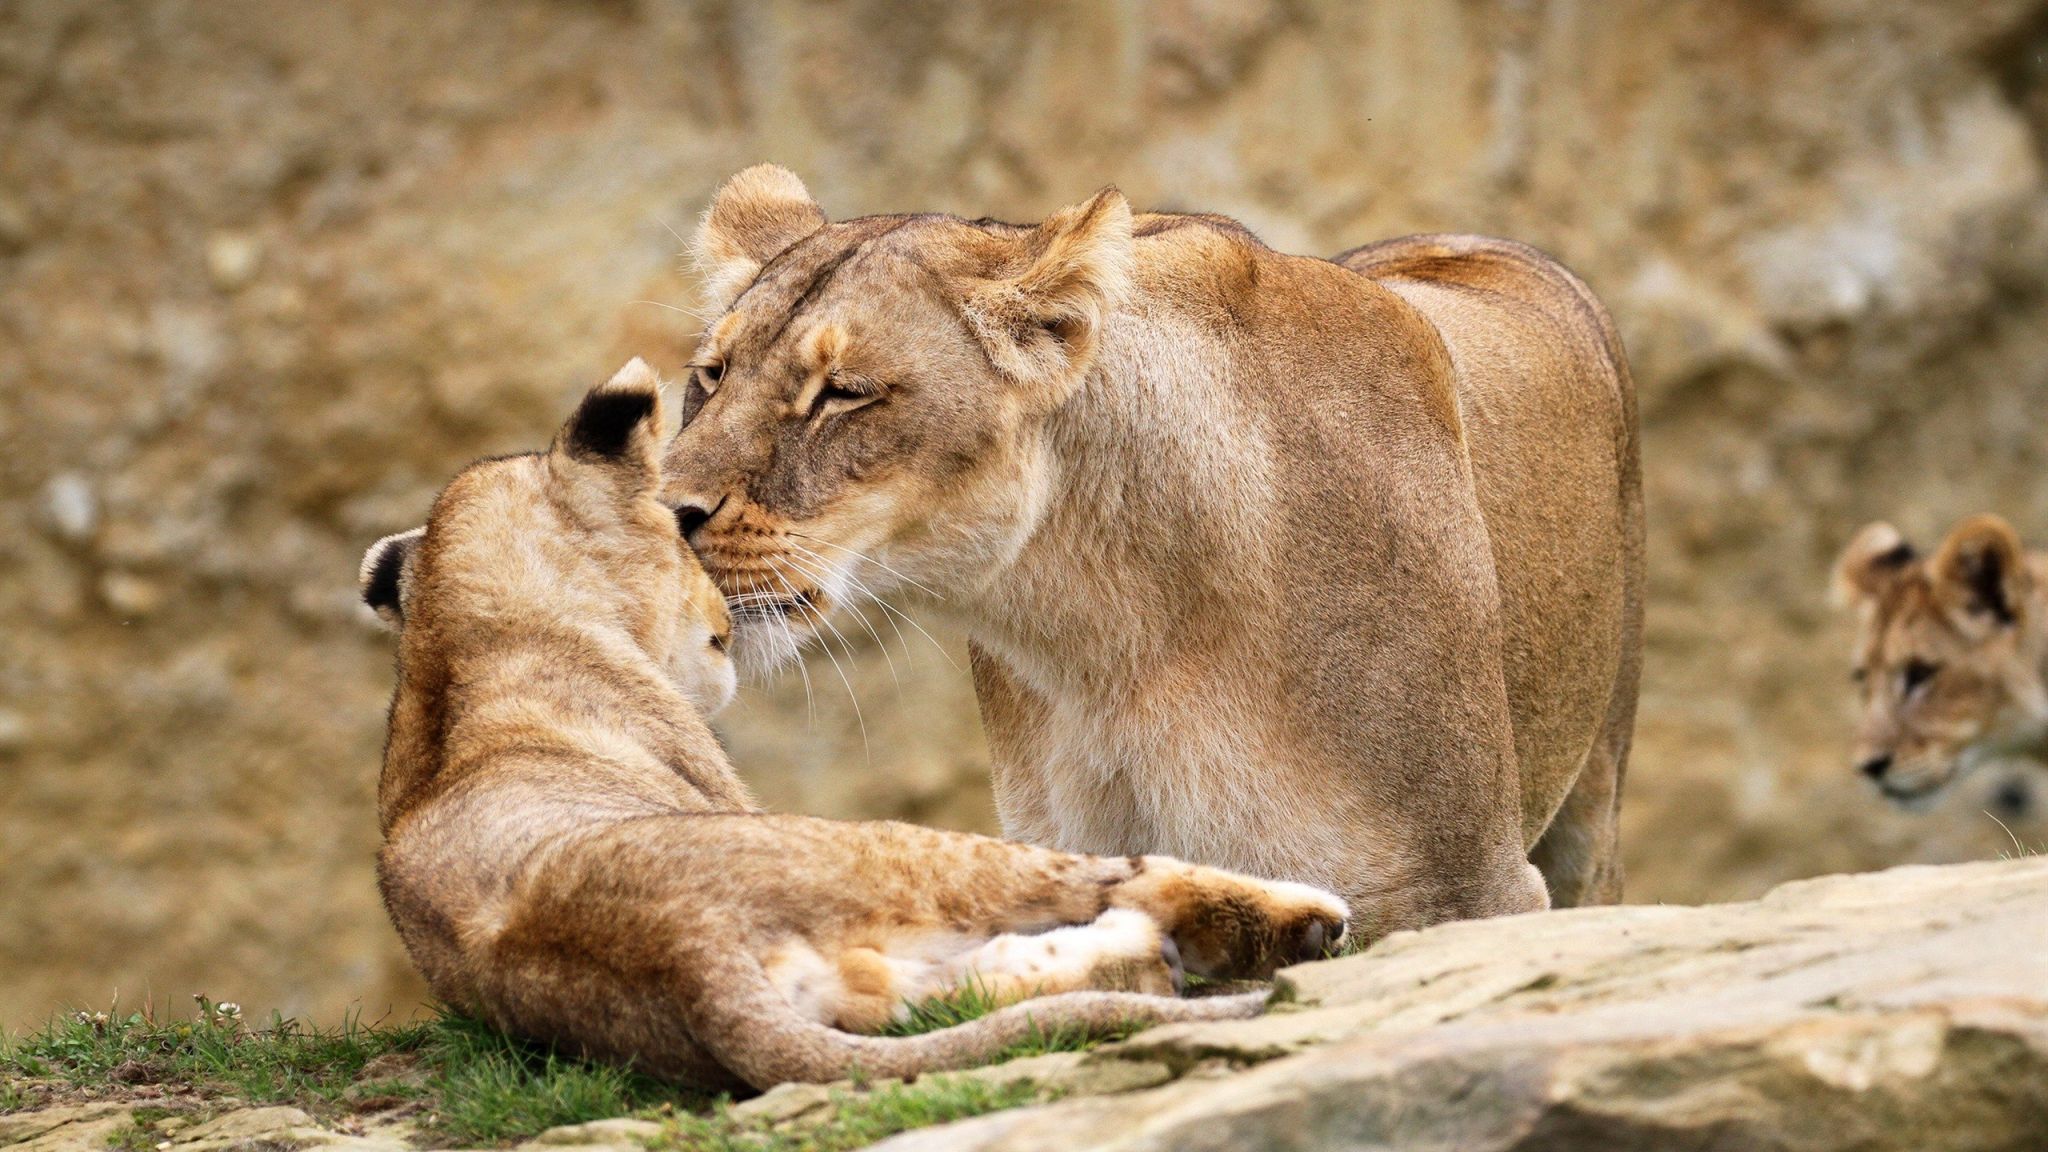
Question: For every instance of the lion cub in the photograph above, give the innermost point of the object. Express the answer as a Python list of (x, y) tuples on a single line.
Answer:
[(1951, 653), (568, 854)]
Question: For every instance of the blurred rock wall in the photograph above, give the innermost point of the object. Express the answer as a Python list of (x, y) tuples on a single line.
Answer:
[(269, 272)]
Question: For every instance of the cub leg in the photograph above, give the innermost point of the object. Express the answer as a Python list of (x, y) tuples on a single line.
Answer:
[(1122, 950)]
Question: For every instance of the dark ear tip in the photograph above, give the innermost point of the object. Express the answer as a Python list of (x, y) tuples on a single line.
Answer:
[(383, 573), (604, 422), (381, 590)]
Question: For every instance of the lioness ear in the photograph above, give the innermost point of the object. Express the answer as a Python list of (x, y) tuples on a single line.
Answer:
[(1040, 326), (1873, 560), (755, 216), (618, 422), (382, 578), (1980, 574)]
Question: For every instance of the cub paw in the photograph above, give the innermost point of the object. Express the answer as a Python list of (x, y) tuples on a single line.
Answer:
[(1234, 927)]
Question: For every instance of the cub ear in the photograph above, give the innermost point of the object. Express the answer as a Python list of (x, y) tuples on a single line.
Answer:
[(1040, 326), (756, 216), (619, 421), (1980, 574), (386, 568), (1875, 558)]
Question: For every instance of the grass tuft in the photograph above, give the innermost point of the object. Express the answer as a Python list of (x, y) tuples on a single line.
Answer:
[(855, 1121), (471, 1086), (490, 1088), (463, 1083), (973, 1000)]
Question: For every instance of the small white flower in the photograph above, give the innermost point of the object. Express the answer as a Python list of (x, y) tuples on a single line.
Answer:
[(228, 1009)]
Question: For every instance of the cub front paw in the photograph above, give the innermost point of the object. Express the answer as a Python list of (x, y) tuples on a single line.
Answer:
[(1234, 927)]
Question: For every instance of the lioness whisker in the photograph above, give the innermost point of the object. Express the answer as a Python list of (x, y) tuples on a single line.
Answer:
[(822, 578), (889, 611), (859, 555), (862, 587), (851, 695), (698, 316)]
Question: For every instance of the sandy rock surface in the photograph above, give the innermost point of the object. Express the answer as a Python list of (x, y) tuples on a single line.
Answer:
[(1904, 1010)]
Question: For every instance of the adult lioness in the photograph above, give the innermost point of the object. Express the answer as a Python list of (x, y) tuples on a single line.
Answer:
[(568, 854), (1951, 653), (1318, 571)]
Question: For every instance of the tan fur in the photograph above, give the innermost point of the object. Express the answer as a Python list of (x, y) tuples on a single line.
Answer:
[(1325, 571), (569, 855), (1951, 653)]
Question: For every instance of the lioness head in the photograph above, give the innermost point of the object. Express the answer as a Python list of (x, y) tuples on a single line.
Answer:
[(868, 406), (561, 541), (1947, 653)]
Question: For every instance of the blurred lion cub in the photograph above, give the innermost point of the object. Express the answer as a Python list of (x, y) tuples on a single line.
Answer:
[(568, 854)]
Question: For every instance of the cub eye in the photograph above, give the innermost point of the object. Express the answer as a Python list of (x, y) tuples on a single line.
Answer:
[(1859, 675), (1918, 672), (719, 641)]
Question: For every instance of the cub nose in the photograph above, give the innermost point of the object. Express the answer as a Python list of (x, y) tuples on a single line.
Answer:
[(1876, 766)]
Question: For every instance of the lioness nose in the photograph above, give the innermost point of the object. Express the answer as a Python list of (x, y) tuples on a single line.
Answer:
[(1876, 766), (690, 517)]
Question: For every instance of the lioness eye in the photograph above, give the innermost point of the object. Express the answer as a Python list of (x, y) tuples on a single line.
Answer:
[(718, 642), (849, 390), (1918, 672), (1859, 675), (708, 375)]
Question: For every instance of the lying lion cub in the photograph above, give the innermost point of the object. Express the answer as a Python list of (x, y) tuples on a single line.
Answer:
[(569, 856)]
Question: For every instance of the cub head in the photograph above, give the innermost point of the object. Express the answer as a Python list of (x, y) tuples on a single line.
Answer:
[(1947, 652), (571, 540), (868, 405)]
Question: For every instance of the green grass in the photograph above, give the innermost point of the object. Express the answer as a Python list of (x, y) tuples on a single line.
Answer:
[(973, 1000), (490, 1088), (857, 1119), (286, 1061), (475, 1086), (469, 1085)]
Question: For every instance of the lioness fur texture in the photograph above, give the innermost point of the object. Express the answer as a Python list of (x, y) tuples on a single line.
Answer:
[(568, 854), (1951, 654), (1320, 570)]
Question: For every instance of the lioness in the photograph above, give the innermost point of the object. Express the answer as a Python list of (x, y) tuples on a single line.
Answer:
[(1951, 653), (568, 855), (1328, 571)]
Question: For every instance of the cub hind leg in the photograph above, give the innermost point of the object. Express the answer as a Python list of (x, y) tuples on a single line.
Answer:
[(865, 988), (1122, 950)]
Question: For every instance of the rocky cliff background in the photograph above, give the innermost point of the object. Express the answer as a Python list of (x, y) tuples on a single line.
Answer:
[(269, 272)]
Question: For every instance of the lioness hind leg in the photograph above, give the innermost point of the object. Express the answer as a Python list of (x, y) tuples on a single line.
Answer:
[(1580, 853)]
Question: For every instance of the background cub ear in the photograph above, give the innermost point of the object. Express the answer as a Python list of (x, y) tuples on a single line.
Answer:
[(1873, 561), (1980, 574), (387, 566), (1040, 325), (618, 422), (755, 217)]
